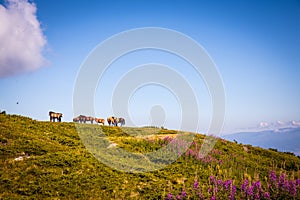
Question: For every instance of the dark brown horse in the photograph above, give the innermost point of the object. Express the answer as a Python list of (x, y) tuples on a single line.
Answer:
[(111, 121), (54, 115)]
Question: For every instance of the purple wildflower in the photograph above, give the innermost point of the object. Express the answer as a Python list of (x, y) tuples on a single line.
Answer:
[(232, 193), (213, 197), (249, 191), (257, 196), (245, 185), (227, 184), (298, 182), (183, 193), (257, 184), (267, 195), (213, 179), (178, 196), (200, 195), (189, 152), (257, 189), (282, 180), (272, 177), (286, 185), (170, 196), (292, 188), (215, 190), (167, 138), (219, 182), (196, 184), (216, 151)]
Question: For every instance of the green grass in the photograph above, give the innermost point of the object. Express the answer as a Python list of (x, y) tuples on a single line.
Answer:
[(60, 167)]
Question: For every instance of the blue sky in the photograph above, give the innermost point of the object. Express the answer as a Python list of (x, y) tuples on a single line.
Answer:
[(254, 44)]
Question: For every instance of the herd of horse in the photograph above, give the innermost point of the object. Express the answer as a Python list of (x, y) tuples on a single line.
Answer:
[(112, 121)]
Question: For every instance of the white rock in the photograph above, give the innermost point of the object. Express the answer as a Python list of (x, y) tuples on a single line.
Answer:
[(20, 158), (112, 145)]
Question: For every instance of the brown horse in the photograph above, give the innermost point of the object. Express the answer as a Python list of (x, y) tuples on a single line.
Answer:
[(76, 119), (111, 120), (91, 119), (54, 116), (83, 119), (119, 121), (100, 121)]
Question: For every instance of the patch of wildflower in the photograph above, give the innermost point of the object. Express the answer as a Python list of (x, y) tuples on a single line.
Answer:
[(277, 188)]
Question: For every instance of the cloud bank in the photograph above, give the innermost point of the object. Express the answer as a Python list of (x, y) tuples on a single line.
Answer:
[(278, 126), (21, 38)]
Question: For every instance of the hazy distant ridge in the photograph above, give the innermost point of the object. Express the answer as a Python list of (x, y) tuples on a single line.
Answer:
[(284, 139)]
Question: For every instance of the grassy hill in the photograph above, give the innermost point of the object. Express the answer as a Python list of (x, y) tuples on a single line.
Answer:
[(46, 160)]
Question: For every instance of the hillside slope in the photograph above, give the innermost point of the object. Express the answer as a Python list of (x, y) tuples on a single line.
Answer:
[(46, 160)]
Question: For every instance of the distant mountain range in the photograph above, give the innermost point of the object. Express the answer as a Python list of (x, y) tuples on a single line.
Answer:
[(282, 139)]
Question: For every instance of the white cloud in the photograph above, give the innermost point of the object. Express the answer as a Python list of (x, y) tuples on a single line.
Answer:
[(21, 38), (280, 123), (263, 124), (295, 123)]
